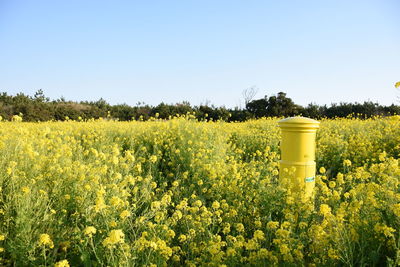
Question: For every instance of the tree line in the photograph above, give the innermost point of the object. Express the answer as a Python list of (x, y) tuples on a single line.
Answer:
[(40, 108)]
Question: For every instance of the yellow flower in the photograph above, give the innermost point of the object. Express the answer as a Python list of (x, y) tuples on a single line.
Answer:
[(45, 240), (182, 238), (170, 233), (63, 263), (153, 159), (230, 252), (155, 205), (285, 225), (272, 225), (113, 238), (382, 156), (322, 170), (99, 204), (339, 178), (324, 210), (298, 254), (124, 214), (240, 227), (259, 235), (112, 224), (116, 201), (42, 192), (347, 162), (192, 232), (197, 203), (284, 249), (385, 230), (138, 167), (226, 229), (89, 231), (263, 253), (302, 225), (25, 189), (177, 215), (333, 254), (215, 205), (2, 237)]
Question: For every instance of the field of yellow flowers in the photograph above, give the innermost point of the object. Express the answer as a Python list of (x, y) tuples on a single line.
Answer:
[(182, 192)]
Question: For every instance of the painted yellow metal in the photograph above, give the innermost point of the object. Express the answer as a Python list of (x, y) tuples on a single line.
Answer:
[(297, 166)]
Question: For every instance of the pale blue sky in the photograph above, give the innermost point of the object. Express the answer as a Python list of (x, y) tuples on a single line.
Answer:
[(170, 51)]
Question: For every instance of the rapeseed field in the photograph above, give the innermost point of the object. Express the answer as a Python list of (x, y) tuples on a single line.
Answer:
[(189, 193)]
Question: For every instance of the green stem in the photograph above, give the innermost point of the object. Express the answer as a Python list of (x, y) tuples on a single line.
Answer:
[(94, 251)]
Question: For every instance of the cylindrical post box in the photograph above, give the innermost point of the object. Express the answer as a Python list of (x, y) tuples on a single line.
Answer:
[(297, 166)]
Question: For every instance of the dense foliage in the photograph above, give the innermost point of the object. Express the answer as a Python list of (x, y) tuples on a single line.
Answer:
[(183, 192), (40, 108)]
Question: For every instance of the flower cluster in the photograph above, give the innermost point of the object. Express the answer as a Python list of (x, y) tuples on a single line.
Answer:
[(182, 192)]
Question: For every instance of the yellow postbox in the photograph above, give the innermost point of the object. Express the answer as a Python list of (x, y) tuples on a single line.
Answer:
[(297, 166)]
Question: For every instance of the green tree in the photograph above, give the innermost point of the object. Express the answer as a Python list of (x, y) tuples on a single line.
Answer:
[(278, 105), (40, 97)]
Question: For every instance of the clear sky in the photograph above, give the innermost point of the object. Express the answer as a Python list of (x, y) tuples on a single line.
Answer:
[(201, 51)]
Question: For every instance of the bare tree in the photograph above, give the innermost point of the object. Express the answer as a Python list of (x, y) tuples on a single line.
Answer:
[(249, 93)]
